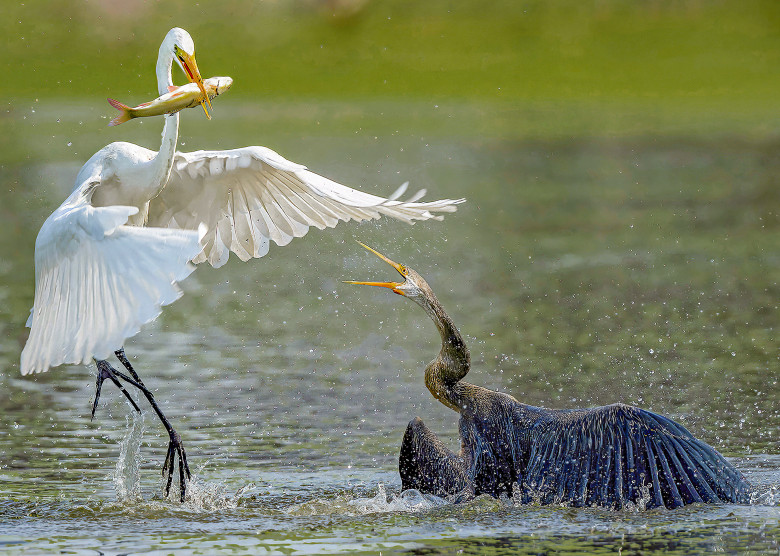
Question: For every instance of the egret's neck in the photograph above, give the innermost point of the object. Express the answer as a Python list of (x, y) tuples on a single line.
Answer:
[(453, 362), (170, 134), (164, 64)]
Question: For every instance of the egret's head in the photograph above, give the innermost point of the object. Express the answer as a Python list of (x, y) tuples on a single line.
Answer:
[(414, 286), (182, 46)]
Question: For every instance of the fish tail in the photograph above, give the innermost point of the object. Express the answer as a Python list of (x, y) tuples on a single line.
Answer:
[(124, 116)]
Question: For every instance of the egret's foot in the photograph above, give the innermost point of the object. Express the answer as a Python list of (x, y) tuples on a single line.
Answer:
[(176, 447), (106, 371)]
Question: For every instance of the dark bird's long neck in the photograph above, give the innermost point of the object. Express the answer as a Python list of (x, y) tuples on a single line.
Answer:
[(442, 375)]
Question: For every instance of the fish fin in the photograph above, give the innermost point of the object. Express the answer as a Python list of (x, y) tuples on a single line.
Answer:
[(118, 105), (124, 116)]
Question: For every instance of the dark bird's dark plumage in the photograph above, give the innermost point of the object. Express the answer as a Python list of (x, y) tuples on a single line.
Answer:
[(614, 456)]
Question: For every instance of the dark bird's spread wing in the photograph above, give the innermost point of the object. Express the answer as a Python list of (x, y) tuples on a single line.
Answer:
[(427, 465), (619, 455)]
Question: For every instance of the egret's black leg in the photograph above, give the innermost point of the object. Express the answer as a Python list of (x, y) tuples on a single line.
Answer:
[(175, 445), (106, 371)]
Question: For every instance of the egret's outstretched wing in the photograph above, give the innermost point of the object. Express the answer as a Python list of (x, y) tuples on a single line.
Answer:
[(97, 281), (250, 196), (610, 456)]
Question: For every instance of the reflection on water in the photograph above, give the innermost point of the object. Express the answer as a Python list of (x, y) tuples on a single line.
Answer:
[(580, 272)]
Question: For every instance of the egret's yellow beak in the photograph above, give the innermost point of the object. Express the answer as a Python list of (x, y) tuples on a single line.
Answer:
[(391, 285), (191, 69)]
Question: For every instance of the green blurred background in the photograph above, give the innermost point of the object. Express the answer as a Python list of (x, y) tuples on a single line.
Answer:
[(565, 123), (537, 68)]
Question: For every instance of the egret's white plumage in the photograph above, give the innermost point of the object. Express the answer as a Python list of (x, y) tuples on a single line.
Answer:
[(110, 256), (248, 197), (98, 281)]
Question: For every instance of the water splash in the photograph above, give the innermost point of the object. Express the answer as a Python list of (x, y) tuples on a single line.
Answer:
[(641, 504), (410, 501), (766, 495), (201, 496), (205, 496), (531, 495), (127, 476)]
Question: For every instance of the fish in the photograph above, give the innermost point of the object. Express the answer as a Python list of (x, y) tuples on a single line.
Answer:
[(177, 98)]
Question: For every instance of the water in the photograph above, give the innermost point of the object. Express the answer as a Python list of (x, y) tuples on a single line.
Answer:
[(581, 271)]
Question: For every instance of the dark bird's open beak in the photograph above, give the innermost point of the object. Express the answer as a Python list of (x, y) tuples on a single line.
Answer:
[(391, 285)]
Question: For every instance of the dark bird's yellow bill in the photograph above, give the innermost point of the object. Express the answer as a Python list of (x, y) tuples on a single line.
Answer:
[(391, 285)]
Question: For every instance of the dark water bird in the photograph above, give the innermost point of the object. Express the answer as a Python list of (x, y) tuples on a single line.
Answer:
[(615, 456)]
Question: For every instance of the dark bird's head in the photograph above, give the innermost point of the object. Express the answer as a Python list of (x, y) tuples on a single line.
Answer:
[(414, 286), (454, 351)]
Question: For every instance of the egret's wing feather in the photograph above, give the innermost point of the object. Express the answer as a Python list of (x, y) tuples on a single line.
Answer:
[(98, 281), (610, 456), (248, 197)]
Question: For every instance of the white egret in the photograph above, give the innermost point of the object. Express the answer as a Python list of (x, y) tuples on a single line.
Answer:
[(111, 255)]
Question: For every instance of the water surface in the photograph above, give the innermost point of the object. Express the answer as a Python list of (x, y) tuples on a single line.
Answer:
[(582, 271)]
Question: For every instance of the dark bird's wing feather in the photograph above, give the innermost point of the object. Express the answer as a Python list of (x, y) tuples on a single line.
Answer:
[(427, 465), (619, 455)]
